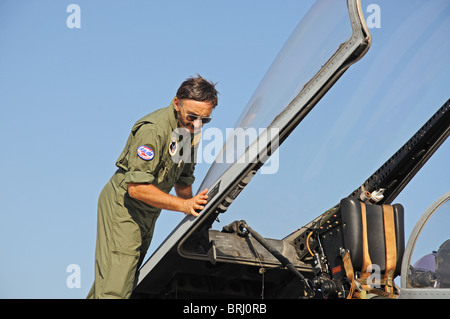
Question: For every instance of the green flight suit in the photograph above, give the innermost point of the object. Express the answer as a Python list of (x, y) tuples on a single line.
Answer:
[(125, 225)]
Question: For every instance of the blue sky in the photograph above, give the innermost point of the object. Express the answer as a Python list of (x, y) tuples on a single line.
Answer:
[(69, 97)]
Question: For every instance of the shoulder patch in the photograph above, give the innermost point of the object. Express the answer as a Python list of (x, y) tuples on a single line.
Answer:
[(145, 152)]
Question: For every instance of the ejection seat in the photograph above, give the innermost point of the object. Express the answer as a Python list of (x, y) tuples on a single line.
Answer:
[(368, 243)]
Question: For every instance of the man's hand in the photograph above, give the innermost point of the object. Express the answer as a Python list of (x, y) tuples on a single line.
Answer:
[(196, 203)]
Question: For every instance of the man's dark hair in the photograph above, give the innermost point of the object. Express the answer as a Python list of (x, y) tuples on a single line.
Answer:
[(198, 89)]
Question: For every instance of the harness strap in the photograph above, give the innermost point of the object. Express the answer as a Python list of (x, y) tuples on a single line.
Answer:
[(365, 245), (349, 273), (391, 246)]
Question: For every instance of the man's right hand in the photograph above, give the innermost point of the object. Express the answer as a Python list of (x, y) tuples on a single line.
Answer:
[(197, 202)]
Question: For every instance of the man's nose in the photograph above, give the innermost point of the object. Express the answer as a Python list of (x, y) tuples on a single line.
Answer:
[(198, 123)]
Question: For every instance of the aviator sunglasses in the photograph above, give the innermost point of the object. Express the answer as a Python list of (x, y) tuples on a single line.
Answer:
[(193, 117)]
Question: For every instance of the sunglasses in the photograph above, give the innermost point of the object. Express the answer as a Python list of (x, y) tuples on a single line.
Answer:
[(193, 117)]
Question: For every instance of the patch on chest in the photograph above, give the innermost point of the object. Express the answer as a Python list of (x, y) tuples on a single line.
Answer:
[(173, 146)]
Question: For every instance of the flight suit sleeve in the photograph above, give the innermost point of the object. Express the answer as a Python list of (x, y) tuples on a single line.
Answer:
[(144, 155)]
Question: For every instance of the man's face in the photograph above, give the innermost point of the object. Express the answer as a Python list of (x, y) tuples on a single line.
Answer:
[(192, 114)]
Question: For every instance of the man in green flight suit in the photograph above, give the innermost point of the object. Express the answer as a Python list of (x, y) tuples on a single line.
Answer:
[(158, 156)]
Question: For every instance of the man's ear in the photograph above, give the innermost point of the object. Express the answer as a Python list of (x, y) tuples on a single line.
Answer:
[(176, 102)]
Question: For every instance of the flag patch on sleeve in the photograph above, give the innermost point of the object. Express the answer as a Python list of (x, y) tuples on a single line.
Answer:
[(145, 152)]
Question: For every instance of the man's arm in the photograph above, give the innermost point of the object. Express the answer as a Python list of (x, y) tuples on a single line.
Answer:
[(153, 196)]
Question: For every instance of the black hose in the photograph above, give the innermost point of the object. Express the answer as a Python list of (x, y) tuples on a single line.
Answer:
[(282, 259)]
